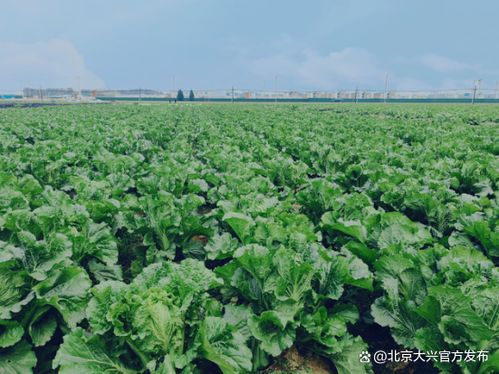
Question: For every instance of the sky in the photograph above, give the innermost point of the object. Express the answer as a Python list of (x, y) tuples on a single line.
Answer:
[(257, 44)]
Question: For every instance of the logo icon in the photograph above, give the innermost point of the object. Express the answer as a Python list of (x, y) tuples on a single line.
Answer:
[(365, 357)]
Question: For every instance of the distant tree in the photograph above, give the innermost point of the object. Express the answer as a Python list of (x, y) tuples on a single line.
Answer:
[(191, 95), (180, 95)]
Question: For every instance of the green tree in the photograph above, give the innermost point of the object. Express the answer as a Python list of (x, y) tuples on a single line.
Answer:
[(180, 95), (191, 95)]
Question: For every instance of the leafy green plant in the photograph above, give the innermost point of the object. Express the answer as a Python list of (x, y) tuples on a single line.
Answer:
[(220, 238)]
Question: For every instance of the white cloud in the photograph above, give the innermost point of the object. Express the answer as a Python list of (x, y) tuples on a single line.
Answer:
[(443, 64), (357, 67), (450, 84), (408, 83), (336, 70), (53, 63)]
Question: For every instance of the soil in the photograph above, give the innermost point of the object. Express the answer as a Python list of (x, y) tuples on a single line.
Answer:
[(292, 361)]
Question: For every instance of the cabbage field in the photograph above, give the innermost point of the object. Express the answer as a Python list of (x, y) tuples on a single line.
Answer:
[(248, 238)]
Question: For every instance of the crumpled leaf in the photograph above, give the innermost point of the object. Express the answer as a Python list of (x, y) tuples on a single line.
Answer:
[(458, 323), (67, 291), (80, 354), (42, 325), (240, 223), (347, 360), (274, 328), (220, 247), (353, 228), (294, 278), (405, 288), (393, 228), (222, 344), (158, 326), (95, 240), (105, 295), (19, 359), (42, 256), (480, 230), (323, 328), (10, 333), (463, 263), (14, 291)]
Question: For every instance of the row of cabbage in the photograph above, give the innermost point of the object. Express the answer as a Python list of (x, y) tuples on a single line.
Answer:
[(200, 238)]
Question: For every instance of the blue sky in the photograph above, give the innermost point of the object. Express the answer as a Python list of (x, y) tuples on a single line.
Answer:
[(303, 45)]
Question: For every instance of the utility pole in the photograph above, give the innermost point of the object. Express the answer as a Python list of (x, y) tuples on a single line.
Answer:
[(275, 88), (79, 87), (232, 96), (386, 87), (475, 89)]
